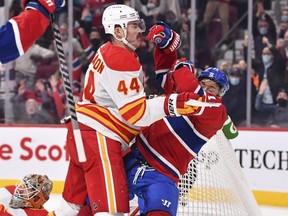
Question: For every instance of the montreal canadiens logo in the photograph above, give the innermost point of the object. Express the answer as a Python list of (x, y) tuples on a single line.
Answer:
[(158, 38)]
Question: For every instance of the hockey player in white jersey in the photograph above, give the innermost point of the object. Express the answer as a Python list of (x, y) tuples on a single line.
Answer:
[(111, 112)]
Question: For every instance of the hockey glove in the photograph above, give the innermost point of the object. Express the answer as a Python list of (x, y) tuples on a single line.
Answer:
[(174, 104), (165, 38), (46, 7), (182, 62)]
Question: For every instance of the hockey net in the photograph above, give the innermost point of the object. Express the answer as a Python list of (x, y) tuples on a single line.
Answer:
[(215, 184)]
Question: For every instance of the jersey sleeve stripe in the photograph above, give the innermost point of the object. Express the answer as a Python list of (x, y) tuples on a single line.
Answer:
[(134, 111), (187, 134), (104, 117), (17, 37)]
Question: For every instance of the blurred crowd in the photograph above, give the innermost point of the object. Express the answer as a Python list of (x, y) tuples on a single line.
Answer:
[(36, 92)]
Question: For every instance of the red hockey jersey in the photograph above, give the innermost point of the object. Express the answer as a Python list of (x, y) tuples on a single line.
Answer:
[(171, 143), (20, 33)]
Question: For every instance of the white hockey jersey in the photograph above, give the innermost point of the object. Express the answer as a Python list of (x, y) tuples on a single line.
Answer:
[(113, 101)]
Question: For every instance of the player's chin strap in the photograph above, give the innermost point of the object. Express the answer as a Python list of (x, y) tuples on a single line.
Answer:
[(125, 41), (128, 44)]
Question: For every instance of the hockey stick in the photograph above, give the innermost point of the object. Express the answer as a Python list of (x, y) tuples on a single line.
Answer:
[(135, 211), (68, 91)]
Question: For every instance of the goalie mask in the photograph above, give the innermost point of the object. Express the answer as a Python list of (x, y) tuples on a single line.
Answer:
[(121, 15), (217, 76), (31, 192)]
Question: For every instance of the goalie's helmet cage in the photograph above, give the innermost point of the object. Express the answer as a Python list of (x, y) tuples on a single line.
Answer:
[(118, 14), (218, 76), (31, 192)]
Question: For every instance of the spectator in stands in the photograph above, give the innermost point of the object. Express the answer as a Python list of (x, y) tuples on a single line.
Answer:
[(96, 9), (203, 52), (80, 52), (277, 113), (235, 98), (263, 26), (224, 66), (184, 50), (218, 8), (33, 114), (151, 11), (172, 21), (280, 47), (41, 94), (86, 17), (87, 47), (58, 95), (283, 23), (146, 58), (26, 65), (95, 39), (286, 51), (270, 67)]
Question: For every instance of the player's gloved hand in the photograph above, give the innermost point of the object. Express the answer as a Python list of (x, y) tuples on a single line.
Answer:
[(46, 7), (175, 105), (165, 38), (183, 62), (182, 78)]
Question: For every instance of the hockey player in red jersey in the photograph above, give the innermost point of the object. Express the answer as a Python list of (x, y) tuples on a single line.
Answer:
[(21, 31), (27, 197), (111, 113), (162, 151)]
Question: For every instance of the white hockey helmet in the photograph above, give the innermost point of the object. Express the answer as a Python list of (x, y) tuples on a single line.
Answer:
[(31, 192), (120, 14)]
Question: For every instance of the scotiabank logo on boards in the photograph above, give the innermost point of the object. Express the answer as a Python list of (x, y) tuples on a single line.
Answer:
[(29, 149)]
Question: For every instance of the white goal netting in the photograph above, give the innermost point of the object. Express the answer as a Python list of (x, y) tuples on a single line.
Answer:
[(215, 184)]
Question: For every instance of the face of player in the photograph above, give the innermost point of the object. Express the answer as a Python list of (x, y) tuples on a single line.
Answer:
[(210, 86), (134, 32)]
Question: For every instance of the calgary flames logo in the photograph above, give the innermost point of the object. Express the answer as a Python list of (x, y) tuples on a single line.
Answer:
[(4, 211)]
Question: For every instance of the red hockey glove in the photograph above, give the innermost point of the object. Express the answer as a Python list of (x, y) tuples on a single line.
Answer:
[(183, 62), (46, 7), (174, 104), (165, 38)]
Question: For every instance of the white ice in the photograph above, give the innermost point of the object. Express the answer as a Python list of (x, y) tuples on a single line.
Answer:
[(54, 200)]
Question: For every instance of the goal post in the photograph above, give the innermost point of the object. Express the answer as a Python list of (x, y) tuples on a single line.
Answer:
[(214, 183)]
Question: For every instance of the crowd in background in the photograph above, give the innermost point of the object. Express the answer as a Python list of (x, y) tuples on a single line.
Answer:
[(36, 92)]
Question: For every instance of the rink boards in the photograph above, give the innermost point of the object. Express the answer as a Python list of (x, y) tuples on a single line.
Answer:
[(262, 154)]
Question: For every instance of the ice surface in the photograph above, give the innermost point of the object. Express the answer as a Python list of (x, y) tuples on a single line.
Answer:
[(54, 201)]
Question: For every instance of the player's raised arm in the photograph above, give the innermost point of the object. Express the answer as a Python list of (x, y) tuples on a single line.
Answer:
[(21, 31)]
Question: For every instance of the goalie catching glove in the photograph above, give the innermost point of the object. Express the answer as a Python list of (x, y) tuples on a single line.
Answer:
[(165, 38), (46, 7), (175, 105)]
